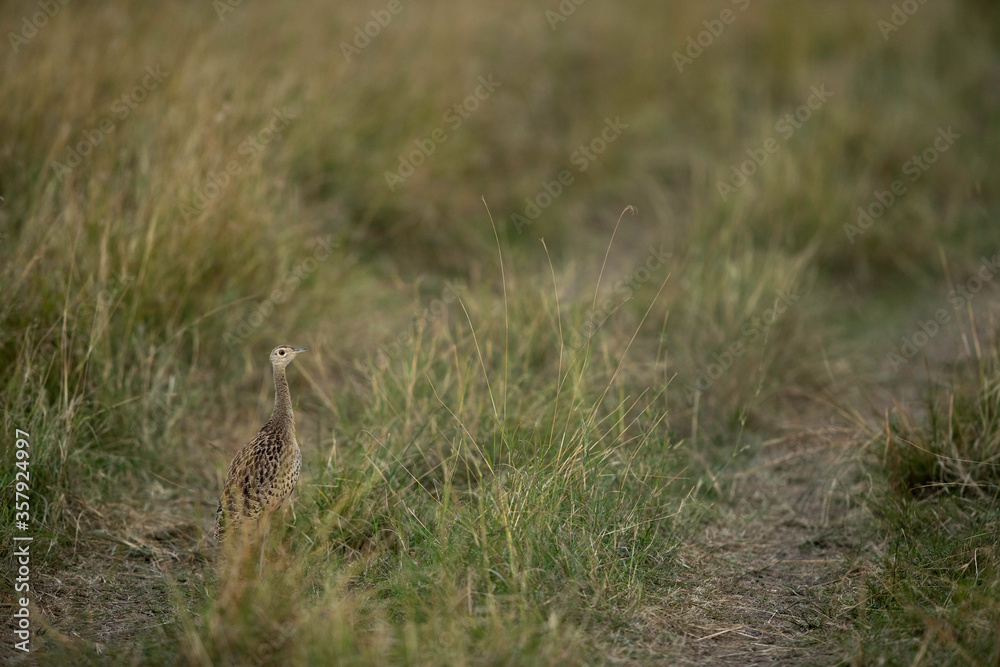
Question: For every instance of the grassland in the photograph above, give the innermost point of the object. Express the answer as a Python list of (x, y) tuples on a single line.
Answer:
[(605, 364)]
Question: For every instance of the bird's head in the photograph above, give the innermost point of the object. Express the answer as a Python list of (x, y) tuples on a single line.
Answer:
[(282, 355)]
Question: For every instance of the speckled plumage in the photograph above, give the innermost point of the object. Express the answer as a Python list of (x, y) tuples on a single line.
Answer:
[(264, 473)]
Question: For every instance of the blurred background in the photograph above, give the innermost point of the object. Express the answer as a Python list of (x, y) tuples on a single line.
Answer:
[(188, 184)]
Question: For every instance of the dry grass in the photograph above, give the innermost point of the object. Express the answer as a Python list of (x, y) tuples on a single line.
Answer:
[(487, 478)]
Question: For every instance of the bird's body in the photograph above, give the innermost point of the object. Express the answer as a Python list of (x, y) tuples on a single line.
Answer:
[(264, 473)]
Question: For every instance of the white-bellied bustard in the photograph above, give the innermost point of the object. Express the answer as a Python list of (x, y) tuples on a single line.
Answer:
[(263, 473)]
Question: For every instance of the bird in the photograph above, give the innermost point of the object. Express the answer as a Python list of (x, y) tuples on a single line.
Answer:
[(264, 472)]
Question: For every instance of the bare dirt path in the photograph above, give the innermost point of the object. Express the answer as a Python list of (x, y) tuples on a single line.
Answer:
[(779, 577), (773, 578)]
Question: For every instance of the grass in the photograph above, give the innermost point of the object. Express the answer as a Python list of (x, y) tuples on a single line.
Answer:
[(931, 596), (624, 442)]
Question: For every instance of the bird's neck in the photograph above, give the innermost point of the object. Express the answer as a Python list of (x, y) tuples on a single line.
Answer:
[(282, 400)]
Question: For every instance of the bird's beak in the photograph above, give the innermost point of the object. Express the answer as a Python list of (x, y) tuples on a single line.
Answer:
[(301, 349)]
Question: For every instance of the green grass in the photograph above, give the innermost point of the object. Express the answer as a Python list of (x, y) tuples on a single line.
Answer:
[(523, 463), (932, 594)]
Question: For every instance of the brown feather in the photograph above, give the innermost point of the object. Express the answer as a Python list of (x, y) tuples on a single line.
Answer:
[(264, 472)]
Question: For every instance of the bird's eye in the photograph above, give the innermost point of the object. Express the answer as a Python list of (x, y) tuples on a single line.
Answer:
[(281, 352)]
